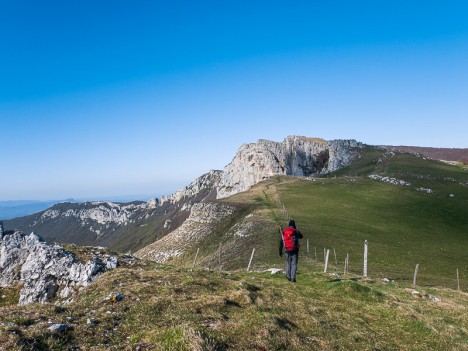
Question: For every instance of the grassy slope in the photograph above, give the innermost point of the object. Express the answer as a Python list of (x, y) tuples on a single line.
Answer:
[(403, 226), (167, 308)]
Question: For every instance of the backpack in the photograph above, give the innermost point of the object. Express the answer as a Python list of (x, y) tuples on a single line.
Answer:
[(290, 239)]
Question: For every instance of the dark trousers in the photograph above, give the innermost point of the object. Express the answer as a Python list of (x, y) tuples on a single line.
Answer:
[(291, 264)]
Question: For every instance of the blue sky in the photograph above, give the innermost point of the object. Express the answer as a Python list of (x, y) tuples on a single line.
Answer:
[(111, 98)]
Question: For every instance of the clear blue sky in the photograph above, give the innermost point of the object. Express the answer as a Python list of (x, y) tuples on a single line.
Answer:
[(110, 98)]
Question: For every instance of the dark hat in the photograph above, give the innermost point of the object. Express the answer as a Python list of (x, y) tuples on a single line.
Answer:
[(292, 224)]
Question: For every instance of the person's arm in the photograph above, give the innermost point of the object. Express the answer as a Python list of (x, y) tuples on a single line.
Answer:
[(299, 234)]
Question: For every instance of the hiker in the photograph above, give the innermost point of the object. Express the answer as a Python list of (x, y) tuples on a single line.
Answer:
[(290, 241)]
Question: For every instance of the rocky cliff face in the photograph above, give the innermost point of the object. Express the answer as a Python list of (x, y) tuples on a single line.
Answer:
[(201, 223), (45, 270), (102, 214), (295, 156), (207, 182)]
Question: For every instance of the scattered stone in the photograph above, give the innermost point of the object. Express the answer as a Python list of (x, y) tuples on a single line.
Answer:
[(424, 296), (335, 275), (59, 328), (91, 321), (273, 270), (433, 298), (389, 180), (425, 190), (452, 195)]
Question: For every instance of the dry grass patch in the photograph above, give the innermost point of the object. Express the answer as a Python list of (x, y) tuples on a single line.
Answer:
[(165, 308)]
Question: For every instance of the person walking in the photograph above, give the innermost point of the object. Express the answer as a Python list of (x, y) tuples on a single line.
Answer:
[(290, 242)]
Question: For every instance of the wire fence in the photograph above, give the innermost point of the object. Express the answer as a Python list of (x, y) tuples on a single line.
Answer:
[(344, 266)]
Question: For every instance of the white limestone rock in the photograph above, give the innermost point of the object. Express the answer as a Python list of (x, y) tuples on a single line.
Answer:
[(99, 212), (295, 156), (425, 190), (44, 268), (152, 203), (389, 180), (207, 181)]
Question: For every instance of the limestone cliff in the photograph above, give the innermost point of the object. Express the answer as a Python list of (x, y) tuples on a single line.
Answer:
[(295, 156), (207, 181)]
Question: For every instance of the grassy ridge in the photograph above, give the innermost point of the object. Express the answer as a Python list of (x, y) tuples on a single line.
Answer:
[(165, 308), (403, 225)]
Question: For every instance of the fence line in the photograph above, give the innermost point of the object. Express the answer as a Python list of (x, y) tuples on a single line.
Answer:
[(346, 269)]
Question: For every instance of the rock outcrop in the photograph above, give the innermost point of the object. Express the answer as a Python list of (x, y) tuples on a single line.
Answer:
[(45, 270), (201, 223), (99, 212), (208, 182), (295, 156)]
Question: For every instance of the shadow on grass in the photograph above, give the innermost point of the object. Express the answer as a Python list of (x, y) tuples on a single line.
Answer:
[(284, 323)]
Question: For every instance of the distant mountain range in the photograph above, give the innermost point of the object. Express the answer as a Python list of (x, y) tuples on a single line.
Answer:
[(19, 208)]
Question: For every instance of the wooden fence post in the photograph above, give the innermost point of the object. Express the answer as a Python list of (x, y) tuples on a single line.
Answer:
[(365, 259), (415, 273), (251, 258), (336, 261), (307, 246), (326, 261), (315, 249), (458, 280), (346, 264), (195, 260)]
